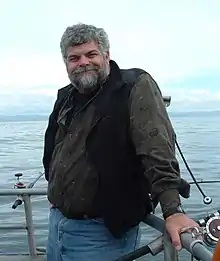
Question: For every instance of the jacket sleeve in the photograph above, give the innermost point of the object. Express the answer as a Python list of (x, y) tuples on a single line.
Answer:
[(154, 139)]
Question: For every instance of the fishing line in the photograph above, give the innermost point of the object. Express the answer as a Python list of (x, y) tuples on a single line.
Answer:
[(206, 199)]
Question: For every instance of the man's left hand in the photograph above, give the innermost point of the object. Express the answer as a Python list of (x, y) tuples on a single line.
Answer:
[(174, 224)]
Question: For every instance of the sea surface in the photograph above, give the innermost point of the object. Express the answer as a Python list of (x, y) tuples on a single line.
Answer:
[(21, 147)]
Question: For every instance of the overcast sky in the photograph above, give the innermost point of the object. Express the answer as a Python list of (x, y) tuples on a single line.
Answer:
[(177, 42)]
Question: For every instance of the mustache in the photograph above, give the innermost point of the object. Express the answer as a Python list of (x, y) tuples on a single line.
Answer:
[(85, 69)]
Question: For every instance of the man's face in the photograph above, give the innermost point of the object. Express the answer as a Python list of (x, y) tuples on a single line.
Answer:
[(86, 66)]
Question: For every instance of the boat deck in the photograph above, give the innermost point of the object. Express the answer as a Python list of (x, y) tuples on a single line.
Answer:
[(21, 258)]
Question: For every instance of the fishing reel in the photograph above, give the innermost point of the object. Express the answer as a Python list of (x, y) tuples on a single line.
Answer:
[(21, 185), (211, 228), (18, 185)]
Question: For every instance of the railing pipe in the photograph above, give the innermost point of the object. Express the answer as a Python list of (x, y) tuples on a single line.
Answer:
[(24, 195), (14, 192), (30, 227), (194, 246)]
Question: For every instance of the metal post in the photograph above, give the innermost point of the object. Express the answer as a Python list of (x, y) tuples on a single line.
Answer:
[(170, 253), (194, 246), (30, 227)]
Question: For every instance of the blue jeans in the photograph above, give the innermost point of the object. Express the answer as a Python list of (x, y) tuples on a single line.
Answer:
[(86, 240)]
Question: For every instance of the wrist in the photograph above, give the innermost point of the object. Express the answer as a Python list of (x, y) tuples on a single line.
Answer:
[(173, 210)]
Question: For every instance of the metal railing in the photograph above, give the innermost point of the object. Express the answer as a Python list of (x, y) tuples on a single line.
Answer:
[(190, 241), (193, 245), (24, 195)]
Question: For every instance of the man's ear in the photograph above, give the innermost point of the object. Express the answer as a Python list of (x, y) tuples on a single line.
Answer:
[(107, 56)]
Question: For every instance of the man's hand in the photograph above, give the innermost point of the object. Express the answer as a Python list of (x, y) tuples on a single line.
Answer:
[(174, 224)]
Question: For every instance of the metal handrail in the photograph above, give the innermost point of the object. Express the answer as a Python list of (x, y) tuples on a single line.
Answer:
[(25, 194), (192, 245), (22, 192)]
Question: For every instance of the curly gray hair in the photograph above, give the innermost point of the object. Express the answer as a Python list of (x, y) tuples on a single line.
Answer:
[(84, 33)]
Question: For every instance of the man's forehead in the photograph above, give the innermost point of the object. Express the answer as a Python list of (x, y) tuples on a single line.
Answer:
[(82, 48)]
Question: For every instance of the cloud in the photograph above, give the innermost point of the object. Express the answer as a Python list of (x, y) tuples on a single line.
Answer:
[(154, 35), (41, 100), (34, 69), (172, 40), (196, 92), (193, 100)]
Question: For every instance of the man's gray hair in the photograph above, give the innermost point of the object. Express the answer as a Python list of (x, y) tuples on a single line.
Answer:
[(84, 33)]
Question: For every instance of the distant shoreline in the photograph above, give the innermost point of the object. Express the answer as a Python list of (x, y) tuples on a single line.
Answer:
[(25, 117)]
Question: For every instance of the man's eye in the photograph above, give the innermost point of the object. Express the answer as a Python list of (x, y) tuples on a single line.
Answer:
[(91, 55), (73, 59)]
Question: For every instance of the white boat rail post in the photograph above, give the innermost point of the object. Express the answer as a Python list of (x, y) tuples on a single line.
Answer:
[(192, 244), (24, 194), (170, 253), (29, 225), (29, 218)]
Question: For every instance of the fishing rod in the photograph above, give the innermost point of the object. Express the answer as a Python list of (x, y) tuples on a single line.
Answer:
[(206, 199), (204, 182), (211, 223), (209, 228), (21, 185)]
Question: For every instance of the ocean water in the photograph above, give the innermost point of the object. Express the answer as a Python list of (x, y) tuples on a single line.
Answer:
[(21, 146)]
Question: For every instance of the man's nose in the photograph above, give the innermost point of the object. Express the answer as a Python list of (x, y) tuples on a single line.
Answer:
[(83, 61)]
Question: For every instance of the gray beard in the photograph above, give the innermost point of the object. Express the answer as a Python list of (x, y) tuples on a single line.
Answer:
[(86, 82)]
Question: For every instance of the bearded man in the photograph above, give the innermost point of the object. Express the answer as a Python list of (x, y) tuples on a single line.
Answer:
[(109, 155)]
